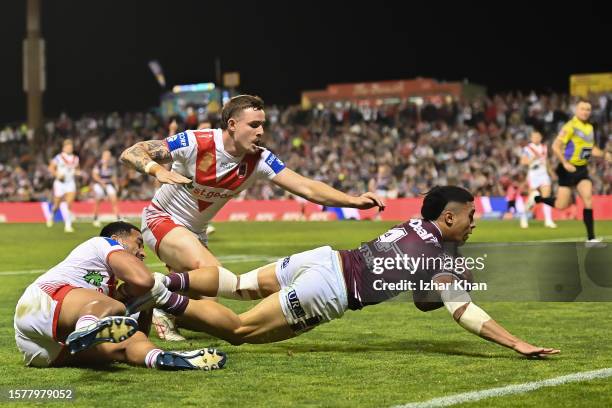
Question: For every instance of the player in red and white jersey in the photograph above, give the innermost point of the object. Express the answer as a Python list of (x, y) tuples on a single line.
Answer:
[(72, 314), (535, 156), (209, 167), (310, 288), (64, 167)]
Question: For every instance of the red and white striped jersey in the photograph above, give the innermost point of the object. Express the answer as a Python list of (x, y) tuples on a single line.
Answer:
[(539, 152), (66, 166), (85, 267), (216, 176)]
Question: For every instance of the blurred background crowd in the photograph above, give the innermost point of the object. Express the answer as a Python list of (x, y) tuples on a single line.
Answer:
[(398, 150)]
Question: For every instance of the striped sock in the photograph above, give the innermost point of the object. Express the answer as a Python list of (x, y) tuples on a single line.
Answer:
[(84, 321), (177, 282), (151, 358), (176, 304)]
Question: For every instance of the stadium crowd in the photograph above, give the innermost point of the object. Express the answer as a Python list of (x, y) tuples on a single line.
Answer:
[(399, 150)]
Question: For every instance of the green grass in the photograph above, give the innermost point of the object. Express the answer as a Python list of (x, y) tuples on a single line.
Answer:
[(382, 356)]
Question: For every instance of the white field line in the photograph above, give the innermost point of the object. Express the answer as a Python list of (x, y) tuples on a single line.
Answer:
[(229, 259), (509, 390)]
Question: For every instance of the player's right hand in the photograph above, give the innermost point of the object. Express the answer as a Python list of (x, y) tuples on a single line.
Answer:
[(170, 177), (528, 350), (569, 167)]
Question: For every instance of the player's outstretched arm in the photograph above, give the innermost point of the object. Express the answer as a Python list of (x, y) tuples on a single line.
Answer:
[(146, 157), (321, 193), (475, 320)]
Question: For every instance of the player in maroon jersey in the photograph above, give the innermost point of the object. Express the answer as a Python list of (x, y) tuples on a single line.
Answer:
[(304, 290)]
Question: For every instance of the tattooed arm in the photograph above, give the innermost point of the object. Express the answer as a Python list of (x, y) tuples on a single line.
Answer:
[(146, 157)]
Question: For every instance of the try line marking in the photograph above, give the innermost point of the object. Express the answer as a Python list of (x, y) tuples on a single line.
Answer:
[(508, 390)]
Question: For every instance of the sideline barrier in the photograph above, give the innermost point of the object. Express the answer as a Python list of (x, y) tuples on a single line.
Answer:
[(292, 210)]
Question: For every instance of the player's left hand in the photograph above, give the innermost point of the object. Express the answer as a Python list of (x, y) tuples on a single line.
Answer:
[(369, 200), (528, 350)]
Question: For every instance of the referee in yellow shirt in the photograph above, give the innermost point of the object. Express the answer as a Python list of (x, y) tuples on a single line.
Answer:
[(574, 145)]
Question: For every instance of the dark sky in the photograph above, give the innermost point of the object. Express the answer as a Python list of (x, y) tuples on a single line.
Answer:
[(97, 51)]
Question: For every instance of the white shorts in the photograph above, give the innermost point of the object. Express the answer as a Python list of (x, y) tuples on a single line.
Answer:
[(63, 187), (35, 324), (156, 223), (101, 191), (312, 288), (538, 179)]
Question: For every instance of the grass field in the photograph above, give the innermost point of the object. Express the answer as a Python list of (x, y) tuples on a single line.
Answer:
[(385, 355)]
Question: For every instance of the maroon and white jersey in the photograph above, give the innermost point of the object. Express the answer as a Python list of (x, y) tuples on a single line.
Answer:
[(217, 176), (66, 165), (538, 153), (414, 242)]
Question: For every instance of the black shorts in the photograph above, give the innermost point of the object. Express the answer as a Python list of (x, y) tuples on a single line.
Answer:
[(567, 179)]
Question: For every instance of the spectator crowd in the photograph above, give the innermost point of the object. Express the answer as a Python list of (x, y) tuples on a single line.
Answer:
[(399, 150)]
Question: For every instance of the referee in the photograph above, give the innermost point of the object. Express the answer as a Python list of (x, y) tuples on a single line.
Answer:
[(574, 146)]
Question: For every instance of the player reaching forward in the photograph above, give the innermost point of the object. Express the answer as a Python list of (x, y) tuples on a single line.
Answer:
[(535, 157), (304, 290), (209, 167), (64, 168), (72, 314)]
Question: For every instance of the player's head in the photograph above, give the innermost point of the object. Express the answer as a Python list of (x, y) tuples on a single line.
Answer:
[(583, 110), (536, 137), (68, 146), (128, 236), (452, 208), (243, 117), (106, 155)]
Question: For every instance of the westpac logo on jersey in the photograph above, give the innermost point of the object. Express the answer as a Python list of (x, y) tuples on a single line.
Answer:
[(417, 226), (177, 141)]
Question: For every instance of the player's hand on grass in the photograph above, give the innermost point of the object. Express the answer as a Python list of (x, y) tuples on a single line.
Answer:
[(369, 200), (528, 350), (569, 167), (170, 177)]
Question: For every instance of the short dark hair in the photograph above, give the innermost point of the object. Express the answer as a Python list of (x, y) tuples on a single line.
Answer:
[(237, 104), (118, 228), (438, 197)]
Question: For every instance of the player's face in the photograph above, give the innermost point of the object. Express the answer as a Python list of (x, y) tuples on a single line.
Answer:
[(68, 148), (133, 243), (463, 222), (583, 111), (536, 137), (248, 129), (106, 156)]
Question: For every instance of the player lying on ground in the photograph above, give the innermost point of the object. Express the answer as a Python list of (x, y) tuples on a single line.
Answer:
[(72, 315), (317, 286)]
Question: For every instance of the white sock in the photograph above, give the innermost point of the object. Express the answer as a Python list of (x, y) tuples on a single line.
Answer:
[(151, 358), (547, 213), (66, 214), (86, 320)]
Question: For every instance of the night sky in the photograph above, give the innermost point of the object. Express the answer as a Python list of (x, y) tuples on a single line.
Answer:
[(97, 51)]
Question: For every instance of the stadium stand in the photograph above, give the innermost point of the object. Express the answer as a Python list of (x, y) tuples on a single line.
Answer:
[(400, 150)]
